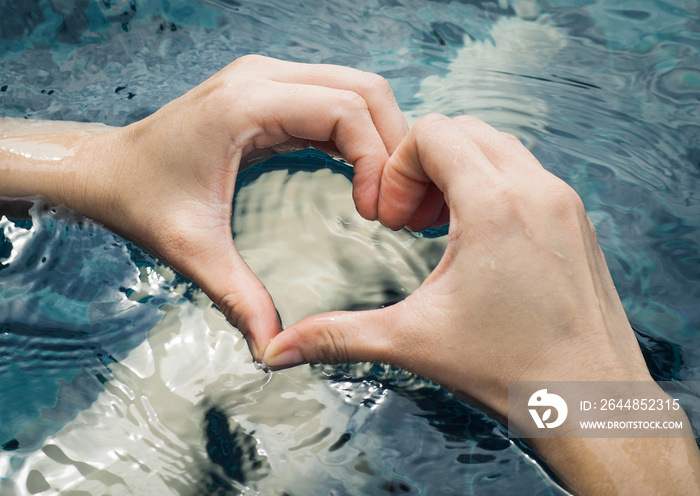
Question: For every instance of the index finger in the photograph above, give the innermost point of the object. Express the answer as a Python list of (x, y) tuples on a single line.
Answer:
[(374, 89), (316, 113), (435, 150)]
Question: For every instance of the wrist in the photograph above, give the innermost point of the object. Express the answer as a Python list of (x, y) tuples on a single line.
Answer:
[(572, 362), (94, 181)]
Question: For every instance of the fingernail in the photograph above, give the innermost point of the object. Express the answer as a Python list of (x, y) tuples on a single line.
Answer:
[(287, 358), (261, 365)]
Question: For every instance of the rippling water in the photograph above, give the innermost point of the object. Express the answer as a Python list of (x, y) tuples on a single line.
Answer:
[(119, 377)]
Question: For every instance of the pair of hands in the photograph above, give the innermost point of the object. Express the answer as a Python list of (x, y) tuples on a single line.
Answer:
[(522, 292)]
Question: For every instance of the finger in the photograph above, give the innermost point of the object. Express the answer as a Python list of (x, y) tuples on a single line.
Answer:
[(394, 335), (436, 149), (503, 150), (337, 337), (327, 147), (429, 210), (225, 277), (319, 114), (444, 217), (291, 145), (374, 89)]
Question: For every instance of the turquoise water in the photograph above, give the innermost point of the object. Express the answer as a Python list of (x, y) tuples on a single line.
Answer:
[(611, 104)]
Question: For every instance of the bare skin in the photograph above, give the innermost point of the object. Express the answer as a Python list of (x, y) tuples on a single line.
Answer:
[(522, 293), (167, 182)]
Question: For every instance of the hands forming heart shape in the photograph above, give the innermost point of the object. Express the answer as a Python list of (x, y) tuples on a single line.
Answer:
[(522, 274), (522, 292)]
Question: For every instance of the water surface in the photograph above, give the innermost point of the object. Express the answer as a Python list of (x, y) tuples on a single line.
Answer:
[(119, 377)]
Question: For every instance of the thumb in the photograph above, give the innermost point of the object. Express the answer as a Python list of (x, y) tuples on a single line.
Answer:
[(239, 294), (336, 337)]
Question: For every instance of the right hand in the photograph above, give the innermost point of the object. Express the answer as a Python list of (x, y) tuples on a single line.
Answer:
[(522, 292)]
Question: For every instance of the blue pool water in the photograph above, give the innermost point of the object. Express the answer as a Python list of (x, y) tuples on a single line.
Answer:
[(608, 99)]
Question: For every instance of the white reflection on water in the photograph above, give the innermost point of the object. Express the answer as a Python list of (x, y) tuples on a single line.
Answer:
[(145, 433)]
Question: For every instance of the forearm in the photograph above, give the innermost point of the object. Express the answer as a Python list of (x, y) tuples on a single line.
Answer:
[(48, 159), (14, 126)]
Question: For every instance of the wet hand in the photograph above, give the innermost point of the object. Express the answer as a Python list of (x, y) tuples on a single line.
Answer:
[(522, 292), (167, 182)]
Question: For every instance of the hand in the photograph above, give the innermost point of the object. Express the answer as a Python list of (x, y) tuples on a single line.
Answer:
[(522, 293), (167, 182)]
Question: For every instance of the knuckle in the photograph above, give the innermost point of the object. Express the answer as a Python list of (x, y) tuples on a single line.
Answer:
[(468, 120), (563, 201), (377, 84), (332, 346), (250, 60), (235, 306), (563, 195), (473, 126), (430, 122), (229, 304), (504, 195), (510, 137), (551, 198), (349, 100)]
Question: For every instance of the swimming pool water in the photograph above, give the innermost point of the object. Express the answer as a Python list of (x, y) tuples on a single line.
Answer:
[(605, 93)]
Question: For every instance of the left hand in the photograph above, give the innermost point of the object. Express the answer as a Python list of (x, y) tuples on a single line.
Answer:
[(167, 182)]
